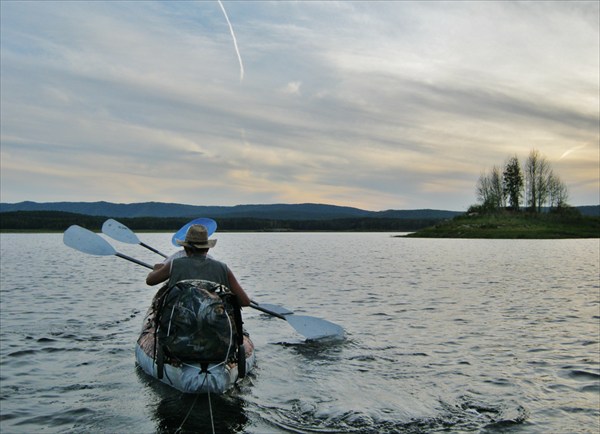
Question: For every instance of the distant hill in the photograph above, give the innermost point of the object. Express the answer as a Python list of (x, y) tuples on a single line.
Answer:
[(592, 210), (306, 211)]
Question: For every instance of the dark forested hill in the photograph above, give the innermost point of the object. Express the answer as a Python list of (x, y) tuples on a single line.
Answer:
[(307, 211), (57, 216), (51, 221)]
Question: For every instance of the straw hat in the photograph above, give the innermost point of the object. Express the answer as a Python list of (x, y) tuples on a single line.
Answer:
[(197, 237)]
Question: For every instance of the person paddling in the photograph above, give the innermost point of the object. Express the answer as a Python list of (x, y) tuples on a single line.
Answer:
[(197, 265)]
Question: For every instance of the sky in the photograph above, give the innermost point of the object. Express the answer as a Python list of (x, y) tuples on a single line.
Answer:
[(374, 105)]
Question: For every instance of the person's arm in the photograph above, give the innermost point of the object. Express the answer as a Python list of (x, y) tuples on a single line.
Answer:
[(160, 273), (237, 289)]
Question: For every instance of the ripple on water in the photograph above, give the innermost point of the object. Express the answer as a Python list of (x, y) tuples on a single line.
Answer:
[(68, 418), (582, 375), (466, 415)]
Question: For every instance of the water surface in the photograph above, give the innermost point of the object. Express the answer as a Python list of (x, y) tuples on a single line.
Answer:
[(442, 336)]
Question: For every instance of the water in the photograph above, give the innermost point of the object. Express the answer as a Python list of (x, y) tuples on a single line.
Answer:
[(459, 336)]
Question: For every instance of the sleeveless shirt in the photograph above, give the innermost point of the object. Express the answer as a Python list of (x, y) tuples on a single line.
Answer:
[(198, 267)]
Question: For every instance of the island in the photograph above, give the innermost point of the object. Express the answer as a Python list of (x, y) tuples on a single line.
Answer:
[(506, 224)]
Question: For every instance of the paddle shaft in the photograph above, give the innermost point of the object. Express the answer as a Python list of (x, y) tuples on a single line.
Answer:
[(135, 261), (256, 306), (153, 249), (88, 242), (253, 304)]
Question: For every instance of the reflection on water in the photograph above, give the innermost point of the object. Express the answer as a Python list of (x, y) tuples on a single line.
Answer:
[(442, 336), (173, 411)]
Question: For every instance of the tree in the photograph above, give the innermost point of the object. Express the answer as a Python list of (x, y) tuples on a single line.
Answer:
[(489, 190), (513, 182), (537, 172), (499, 196), (541, 186), (557, 192)]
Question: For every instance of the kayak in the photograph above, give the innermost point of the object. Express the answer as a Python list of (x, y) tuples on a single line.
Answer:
[(190, 375)]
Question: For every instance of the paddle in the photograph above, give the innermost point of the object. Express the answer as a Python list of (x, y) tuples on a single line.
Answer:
[(209, 224), (91, 243), (311, 328), (122, 233), (272, 308)]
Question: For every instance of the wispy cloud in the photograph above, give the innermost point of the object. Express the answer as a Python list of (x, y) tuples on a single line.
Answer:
[(570, 151), (370, 104)]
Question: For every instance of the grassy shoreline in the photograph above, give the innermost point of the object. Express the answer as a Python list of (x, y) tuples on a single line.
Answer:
[(510, 225)]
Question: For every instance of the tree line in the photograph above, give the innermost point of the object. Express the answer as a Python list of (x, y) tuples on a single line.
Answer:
[(533, 186), (59, 221)]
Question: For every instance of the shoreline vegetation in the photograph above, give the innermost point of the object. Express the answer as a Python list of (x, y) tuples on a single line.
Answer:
[(499, 224), (59, 221), (504, 224)]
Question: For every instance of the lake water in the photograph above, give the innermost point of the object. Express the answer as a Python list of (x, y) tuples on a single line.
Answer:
[(442, 335)]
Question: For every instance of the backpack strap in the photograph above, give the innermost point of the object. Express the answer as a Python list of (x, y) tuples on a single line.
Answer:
[(159, 353), (237, 319)]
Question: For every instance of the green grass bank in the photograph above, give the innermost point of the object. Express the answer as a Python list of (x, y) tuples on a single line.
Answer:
[(515, 225)]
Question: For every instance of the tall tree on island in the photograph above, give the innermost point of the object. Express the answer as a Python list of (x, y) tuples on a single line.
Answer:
[(557, 192), (490, 190), (537, 172), (513, 182)]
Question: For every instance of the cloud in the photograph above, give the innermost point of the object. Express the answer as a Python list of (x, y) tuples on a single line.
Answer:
[(571, 150), (292, 88), (370, 104)]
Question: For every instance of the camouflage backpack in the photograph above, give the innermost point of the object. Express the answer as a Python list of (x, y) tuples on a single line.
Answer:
[(196, 322)]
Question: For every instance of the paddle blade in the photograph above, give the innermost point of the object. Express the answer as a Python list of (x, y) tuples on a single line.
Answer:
[(277, 309), (87, 241), (119, 232), (209, 224), (315, 328)]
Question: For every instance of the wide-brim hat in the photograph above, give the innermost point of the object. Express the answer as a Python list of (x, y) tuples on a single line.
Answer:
[(197, 238)]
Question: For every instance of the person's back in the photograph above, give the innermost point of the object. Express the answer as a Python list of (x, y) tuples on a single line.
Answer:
[(198, 267)]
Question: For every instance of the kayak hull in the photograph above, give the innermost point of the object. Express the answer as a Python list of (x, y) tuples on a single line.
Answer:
[(190, 377)]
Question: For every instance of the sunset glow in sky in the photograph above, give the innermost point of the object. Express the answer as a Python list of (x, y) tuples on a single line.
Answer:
[(377, 105)]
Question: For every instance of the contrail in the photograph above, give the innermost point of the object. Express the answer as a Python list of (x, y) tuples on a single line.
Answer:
[(237, 50), (568, 151)]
